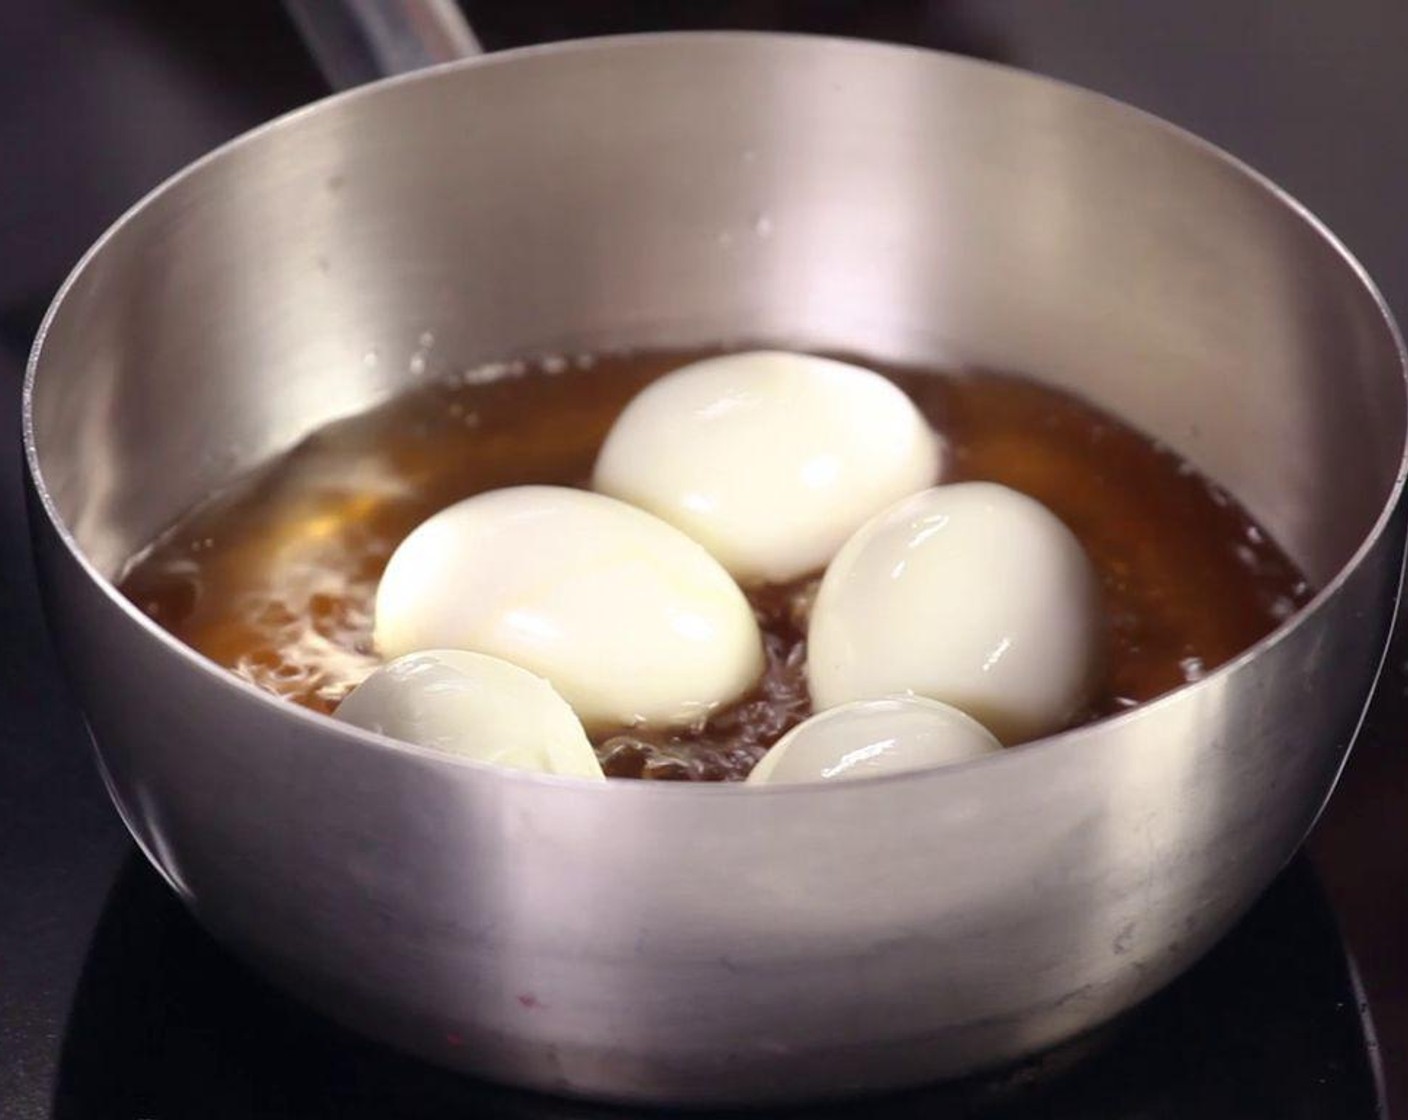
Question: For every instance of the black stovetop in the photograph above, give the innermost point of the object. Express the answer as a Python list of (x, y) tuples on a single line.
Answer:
[(114, 1005)]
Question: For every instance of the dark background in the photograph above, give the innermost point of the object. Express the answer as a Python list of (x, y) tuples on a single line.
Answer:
[(99, 100)]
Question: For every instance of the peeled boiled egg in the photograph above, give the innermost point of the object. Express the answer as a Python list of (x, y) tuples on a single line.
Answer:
[(474, 705), (768, 459), (866, 738), (631, 621), (972, 594)]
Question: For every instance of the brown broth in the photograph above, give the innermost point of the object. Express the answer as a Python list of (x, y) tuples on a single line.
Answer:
[(275, 577)]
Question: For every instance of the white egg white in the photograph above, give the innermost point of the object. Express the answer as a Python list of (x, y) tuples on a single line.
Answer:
[(631, 621), (477, 706), (972, 594), (867, 738), (769, 459)]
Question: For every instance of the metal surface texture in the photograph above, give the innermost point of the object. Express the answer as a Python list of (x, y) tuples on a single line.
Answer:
[(646, 942)]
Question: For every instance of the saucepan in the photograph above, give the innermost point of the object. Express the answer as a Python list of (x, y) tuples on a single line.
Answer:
[(641, 941)]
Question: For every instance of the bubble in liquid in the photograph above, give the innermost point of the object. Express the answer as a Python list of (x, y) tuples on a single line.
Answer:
[(490, 372), (1282, 608), (371, 357), (762, 225), (288, 673), (269, 614), (1192, 669)]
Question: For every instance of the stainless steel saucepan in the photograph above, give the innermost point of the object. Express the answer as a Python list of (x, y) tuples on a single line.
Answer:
[(651, 942)]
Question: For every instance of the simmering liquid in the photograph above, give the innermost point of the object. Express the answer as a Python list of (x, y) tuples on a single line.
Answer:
[(275, 578)]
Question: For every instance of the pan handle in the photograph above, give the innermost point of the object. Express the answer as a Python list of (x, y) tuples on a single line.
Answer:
[(357, 41)]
